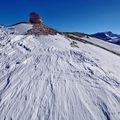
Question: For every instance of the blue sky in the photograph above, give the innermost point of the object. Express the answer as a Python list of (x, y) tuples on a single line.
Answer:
[(88, 16)]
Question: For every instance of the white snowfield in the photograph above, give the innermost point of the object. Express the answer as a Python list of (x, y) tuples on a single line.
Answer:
[(21, 28), (53, 78), (97, 42)]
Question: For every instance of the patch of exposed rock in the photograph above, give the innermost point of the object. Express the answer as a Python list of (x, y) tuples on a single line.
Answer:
[(38, 26)]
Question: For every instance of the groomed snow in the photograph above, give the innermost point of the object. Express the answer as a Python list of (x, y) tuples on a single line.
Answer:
[(44, 78)]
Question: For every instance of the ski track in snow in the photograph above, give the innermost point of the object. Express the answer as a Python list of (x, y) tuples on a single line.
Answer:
[(46, 79)]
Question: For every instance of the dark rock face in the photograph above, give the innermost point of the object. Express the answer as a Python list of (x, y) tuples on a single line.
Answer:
[(101, 36), (35, 18)]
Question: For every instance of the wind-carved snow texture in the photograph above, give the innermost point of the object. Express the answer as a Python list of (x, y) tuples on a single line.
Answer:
[(44, 78)]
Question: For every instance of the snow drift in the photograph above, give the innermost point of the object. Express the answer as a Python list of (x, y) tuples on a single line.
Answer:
[(53, 77)]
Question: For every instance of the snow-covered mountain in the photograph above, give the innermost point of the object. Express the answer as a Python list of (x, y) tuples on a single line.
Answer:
[(57, 77), (21, 28), (108, 36)]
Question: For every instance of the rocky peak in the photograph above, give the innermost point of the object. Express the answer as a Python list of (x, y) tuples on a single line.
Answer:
[(38, 26), (35, 18)]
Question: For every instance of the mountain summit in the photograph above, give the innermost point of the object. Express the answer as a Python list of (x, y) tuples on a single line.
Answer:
[(38, 26), (35, 25), (46, 75)]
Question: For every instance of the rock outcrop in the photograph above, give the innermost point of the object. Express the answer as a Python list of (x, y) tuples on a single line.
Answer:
[(35, 18), (38, 26)]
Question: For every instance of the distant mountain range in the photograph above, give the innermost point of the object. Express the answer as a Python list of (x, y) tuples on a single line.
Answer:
[(108, 36)]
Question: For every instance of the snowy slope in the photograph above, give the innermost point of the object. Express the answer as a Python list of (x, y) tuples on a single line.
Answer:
[(105, 45), (57, 78), (21, 28), (97, 42)]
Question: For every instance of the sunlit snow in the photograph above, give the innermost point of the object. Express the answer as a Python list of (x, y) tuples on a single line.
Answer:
[(45, 78)]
